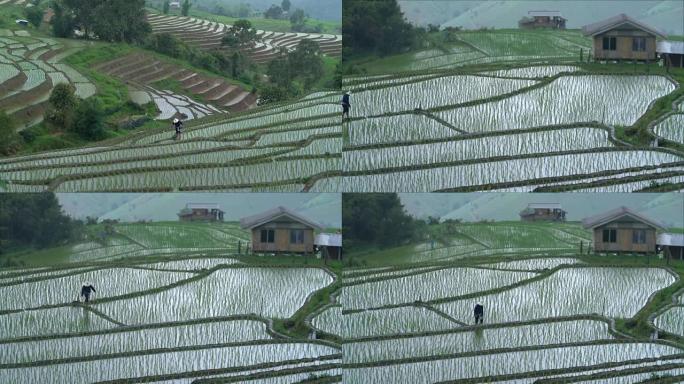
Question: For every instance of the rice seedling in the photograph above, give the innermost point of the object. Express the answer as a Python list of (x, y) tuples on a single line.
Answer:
[(138, 340), (62, 290), (671, 320), (566, 100), (460, 341), (505, 171), (393, 129), (43, 322), (485, 147), (671, 128), (165, 363), (534, 264), (612, 292), (382, 322), (483, 366), (533, 72), (433, 93), (222, 293), (427, 286)]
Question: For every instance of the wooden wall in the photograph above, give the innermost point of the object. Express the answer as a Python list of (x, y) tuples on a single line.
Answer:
[(624, 238), (282, 238), (623, 49)]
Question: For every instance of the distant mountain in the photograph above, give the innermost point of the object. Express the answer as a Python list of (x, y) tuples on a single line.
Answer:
[(323, 208), (667, 208), (319, 9), (666, 15)]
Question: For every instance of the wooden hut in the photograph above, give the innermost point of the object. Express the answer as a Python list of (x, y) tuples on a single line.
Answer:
[(543, 212), (330, 245), (672, 53), (543, 19), (201, 212), (623, 230), (623, 38), (281, 230), (672, 245)]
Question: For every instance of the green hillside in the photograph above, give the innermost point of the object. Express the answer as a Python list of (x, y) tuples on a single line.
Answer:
[(664, 14), (322, 208), (475, 207)]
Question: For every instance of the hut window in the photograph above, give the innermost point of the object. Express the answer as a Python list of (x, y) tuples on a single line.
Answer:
[(268, 236), (639, 44), (609, 43), (638, 236), (609, 235), (296, 236)]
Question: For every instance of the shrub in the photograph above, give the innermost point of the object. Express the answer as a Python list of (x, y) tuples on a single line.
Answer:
[(88, 120)]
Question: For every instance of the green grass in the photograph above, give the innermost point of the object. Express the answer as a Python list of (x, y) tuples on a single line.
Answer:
[(331, 27), (327, 81), (31, 257)]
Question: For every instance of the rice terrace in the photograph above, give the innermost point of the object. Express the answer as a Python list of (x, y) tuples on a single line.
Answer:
[(170, 306), (554, 310), (512, 110), (240, 130)]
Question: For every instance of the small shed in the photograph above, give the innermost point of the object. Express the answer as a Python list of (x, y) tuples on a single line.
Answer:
[(623, 38), (672, 245), (280, 230), (330, 245), (22, 22), (623, 230), (543, 19), (543, 212), (672, 53), (175, 4), (201, 212)]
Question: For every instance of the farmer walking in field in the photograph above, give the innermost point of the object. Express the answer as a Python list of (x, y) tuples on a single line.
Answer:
[(345, 105), (479, 313), (178, 126), (86, 290)]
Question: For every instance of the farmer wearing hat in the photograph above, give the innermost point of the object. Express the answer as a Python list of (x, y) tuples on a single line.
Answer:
[(86, 290), (345, 105), (178, 125)]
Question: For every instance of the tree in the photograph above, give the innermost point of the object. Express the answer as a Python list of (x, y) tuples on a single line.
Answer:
[(376, 219), (84, 13), (185, 8), (306, 62), (121, 21), (166, 7), (240, 35), (61, 106), (298, 20), (89, 120), (285, 5), (34, 15), (10, 141), (274, 12), (375, 26), (62, 21), (35, 219)]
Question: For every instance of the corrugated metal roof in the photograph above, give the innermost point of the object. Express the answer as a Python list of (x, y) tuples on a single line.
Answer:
[(675, 239), (202, 206), (615, 21), (544, 205), (272, 214), (676, 47), (545, 13), (329, 239), (614, 214)]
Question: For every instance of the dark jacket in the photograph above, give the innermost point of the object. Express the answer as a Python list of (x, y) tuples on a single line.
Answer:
[(86, 290), (345, 100), (479, 310), (178, 125)]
